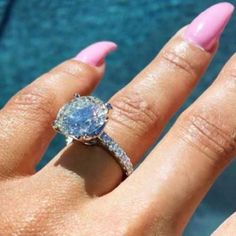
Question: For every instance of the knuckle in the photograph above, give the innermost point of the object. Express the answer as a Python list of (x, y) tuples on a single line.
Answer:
[(132, 111), (173, 59), (33, 102), (207, 135)]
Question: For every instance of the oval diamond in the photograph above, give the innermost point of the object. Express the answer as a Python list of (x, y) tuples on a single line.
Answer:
[(82, 117)]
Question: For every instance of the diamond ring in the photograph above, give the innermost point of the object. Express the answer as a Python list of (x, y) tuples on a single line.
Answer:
[(83, 119)]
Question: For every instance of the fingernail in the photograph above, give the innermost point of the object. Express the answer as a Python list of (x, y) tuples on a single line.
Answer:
[(95, 54), (205, 30)]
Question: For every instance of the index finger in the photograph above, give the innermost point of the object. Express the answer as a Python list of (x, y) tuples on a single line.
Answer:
[(26, 119)]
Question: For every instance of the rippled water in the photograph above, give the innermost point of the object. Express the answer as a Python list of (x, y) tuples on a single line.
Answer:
[(36, 35)]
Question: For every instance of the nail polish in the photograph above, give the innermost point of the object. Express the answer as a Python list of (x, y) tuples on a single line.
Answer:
[(205, 30), (95, 54)]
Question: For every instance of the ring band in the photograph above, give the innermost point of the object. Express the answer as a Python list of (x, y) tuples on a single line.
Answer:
[(83, 119), (118, 153)]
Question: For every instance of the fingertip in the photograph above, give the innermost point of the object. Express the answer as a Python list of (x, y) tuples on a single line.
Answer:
[(206, 29), (96, 53)]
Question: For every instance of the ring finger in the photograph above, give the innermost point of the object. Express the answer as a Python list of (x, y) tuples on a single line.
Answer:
[(143, 107)]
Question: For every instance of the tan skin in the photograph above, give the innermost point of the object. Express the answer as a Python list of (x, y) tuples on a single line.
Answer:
[(81, 192)]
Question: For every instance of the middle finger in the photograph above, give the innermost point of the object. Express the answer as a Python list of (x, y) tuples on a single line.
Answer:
[(143, 107)]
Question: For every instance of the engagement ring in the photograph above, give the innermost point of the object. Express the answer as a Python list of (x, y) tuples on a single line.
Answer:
[(83, 119)]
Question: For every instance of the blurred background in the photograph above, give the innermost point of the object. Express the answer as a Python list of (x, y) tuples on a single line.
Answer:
[(37, 35)]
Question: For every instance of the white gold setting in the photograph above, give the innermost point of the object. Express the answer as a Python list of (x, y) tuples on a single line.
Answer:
[(83, 119)]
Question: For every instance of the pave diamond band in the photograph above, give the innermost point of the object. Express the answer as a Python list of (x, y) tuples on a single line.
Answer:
[(118, 153), (83, 119)]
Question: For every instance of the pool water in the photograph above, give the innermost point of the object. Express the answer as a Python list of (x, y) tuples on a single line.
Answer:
[(37, 35)]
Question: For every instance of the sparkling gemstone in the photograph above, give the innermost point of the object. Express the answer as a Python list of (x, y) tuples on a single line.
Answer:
[(118, 152), (106, 139), (82, 117)]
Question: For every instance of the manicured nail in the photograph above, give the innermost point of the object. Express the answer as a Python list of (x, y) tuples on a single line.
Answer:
[(206, 28), (95, 54)]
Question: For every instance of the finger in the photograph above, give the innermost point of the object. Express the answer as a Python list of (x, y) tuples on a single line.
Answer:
[(142, 108), (26, 119), (228, 228), (180, 170)]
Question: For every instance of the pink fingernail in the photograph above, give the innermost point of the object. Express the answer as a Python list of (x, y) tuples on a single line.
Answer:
[(95, 53), (206, 28)]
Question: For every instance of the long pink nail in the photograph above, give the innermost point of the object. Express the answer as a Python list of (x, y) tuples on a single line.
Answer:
[(95, 53), (206, 28)]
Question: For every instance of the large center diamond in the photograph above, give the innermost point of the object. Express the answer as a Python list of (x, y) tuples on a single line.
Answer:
[(82, 117)]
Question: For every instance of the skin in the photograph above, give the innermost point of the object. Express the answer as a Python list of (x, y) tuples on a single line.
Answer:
[(81, 192)]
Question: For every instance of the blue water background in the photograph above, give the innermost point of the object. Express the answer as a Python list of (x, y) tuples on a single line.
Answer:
[(37, 35)]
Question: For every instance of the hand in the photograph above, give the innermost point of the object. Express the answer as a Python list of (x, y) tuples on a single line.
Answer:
[(81, 192)]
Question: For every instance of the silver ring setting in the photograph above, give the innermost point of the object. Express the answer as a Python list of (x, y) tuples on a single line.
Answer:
[(83, 119)]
